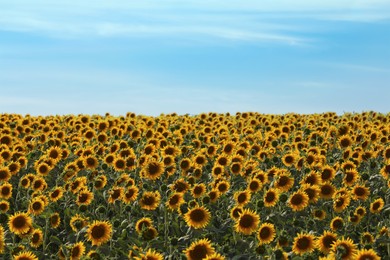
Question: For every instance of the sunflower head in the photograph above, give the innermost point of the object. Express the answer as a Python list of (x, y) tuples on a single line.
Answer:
[(99, 232)]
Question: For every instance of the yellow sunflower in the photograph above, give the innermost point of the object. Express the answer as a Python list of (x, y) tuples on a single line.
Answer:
[(153, 169), (26, 255), (36, 238), (143, 223), (6, 190), (242, 197), (325, 241), (271, 197), (175, 200), (150, 200), (247, 222), (344, 248), (151, 254), (377, 205), (99, 232), (20, 223), (77, 251), (367, 254), (266, 233), (197, 217), (199, 249), (303, 243), (55, 220), (298, 201)]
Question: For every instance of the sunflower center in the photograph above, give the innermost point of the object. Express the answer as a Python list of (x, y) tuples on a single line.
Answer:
[(327, 241), (83, 197), (173, 200), (339, 202), (297, 199), (265, 233), (359, 191), (270, 197), (19, 222), (337, 224), (326, 174), (283, 181), (5, 190), (246, 221), (148, 200), (75, 251), (120, 164), (222, 187), (326, 190), (197, 215), (98, 231), (241, 198), (254, 185), (35, 238), (198, 252), (350, 176), (375, 206), (129, 193), (55, 194), (37, 205), (289, 159), (303, 243), (153, 168)]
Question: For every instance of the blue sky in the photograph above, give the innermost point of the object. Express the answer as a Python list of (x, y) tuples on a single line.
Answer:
[(153, 57)]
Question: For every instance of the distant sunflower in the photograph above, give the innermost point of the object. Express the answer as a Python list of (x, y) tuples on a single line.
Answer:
[(36, 206), (360, 192), (6, 190), (327, 173), (247, 222), (235, 168), (151, 254), (327, 191), (149, 233), (341, 202), (214, 194), (312, 192), (254, 185), (223, 186), (100, 182), (20, 223), (235, 212), (217, 171), (185, 164), (325, 241), (298, 201), (367, 254), (266, 233), (199, 249), (4, 206), (319, 214), (5, 174), (119, 164), (91, 162), (336, 223), (150, 200), (377, 206), (25, 182), (312, 178), (77, 222), (130, 194), (303, 243), (289, 159), (55, 220), (345, 141), (56, 194), (116, 193), (284, 182), (143, 223), (36, 238), (350, 177), (25, 255), (385, 171), (271, 197), (153, 170), (367, 238), (242, 197), (77, 251), (197, 217), (198, 190), (344, 248), (200, 160), (84, 197), (180, 185), (99, 232), (361, 211)]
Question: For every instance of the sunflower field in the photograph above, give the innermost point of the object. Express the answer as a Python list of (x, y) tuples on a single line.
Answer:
[(208, 186)]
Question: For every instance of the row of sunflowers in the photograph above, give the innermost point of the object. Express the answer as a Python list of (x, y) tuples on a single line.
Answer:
[(208, 186)]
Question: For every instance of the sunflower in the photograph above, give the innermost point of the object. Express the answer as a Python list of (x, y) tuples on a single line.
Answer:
[(254, 185), (327, 173), (151, 254), (84, 197), (5, 174), (4, 206), (367, 254), (298, 201), (130, 195), (325, 241), (336, 223), (343, 248), (377, 205), (367, 238), (223, 186), (198, 190), (150, 200), (153, 169), (39, 184), (351, 176), (199, 249), (235, 212), (303, 243), (77, 222), (77, 251), (6, 190), (312, 191), (217, 171), (143, 223), (168, 160), (119, 164), (200, 160), (242, 197), (36, 206), (385, 170), (327, 191), (180, 185), (36, 238), (312, 178), (319, 214), (266, 233), (43, 169), (56, 194), (20, 223), (25, 255), (149, 233), (197, 217), (91, 162), (289, 159), (247, 222), (55, 220), (54, 153), (345, 141), (100, 182), (25, 182), (185, 164), (116, 193), (361, 211), (271, 197), (284, 182), (341, 202), (99, 232)]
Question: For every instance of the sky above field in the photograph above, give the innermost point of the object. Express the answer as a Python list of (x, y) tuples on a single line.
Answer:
[(153, 57)]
